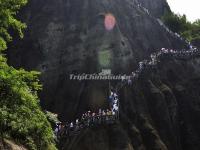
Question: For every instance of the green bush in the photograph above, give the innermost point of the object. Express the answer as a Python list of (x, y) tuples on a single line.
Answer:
[(20, 114)]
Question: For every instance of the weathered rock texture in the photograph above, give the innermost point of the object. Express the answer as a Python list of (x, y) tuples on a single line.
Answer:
[(10, 145), (160, 112), (156, 7)]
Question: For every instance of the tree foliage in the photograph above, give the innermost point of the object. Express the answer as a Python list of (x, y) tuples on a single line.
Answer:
[(21, 117), (180, 24), (8, 11), (20, 114)]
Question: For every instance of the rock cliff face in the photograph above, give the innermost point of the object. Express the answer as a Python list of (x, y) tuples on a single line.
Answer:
[(68, 36), (159, 112), (156, 7)]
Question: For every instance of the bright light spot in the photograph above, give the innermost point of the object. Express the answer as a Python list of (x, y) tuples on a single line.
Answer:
[(109, 22)]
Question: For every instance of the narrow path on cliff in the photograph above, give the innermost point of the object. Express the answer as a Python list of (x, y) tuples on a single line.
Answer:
[(111, 115)]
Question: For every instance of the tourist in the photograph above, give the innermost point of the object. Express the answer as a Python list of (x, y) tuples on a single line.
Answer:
[(83, 117), (56, 131), (103, 116), (99, 116), (115, 101), (71, 125), (115, 95), (67, 129), (129, 81), (77, 122), (123, 78), (93, 118), (141, 65), (115, 107)]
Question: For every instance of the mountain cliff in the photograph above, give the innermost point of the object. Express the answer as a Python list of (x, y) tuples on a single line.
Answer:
[(157, 7), (69, 36)]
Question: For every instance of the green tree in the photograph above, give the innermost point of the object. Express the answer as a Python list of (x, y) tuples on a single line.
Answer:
[(180, 24), (176, 23), (8, 11), (21, 117)]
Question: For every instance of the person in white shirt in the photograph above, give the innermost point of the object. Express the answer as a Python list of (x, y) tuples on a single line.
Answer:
[(77, 121), (71, 125), (115, 107), (141, 65), (115, 95)]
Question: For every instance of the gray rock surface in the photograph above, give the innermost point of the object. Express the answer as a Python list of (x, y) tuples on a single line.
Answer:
[(68, 36), (156, 7)]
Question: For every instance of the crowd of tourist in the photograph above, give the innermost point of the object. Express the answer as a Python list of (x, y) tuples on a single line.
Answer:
[(176, 35), (91, 119), (192, 52), (111, 115)]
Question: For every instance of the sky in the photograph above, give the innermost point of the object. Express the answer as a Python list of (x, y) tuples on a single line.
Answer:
[(189, 7)]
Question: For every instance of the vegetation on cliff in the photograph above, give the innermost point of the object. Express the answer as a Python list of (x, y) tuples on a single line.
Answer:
[(21, 117), (180, 24)]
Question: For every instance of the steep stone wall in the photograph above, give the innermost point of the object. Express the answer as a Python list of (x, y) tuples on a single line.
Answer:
[(158, 112), (156, 7), (68, 36)]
